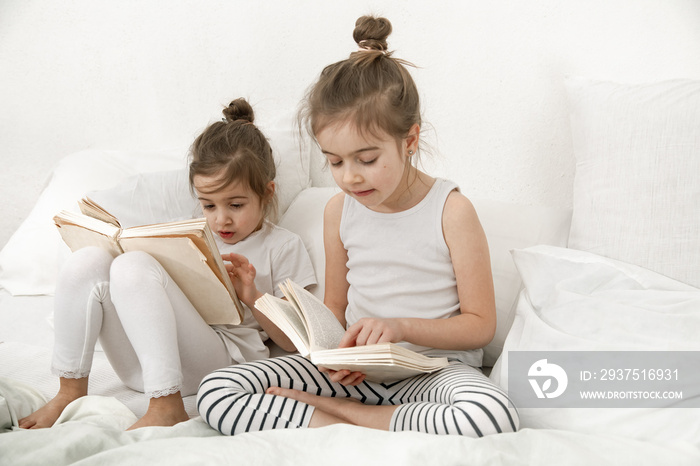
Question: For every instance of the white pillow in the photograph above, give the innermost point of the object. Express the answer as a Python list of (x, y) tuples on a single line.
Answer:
[(510, 226), (152, 197), (292, 157), (305, 218), (637, 182), (29, 261), (577, 301)]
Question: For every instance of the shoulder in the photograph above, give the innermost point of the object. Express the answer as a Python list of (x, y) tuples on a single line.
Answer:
[(332, 219), (333, 211), (459, 216), (457, 203), (285, 246), (278, 235), (279, 242), (289, 257), (334, 206)]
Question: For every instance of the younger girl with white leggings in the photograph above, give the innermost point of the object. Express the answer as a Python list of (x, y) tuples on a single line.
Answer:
[(153, 337)]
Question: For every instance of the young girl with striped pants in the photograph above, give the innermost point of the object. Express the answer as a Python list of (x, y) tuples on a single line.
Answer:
[(406, 261)]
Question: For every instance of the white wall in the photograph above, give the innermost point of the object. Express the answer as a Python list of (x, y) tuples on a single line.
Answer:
[(130, 74)]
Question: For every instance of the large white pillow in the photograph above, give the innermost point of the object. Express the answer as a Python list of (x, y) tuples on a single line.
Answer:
[(292, 156), (511, 226), (577, 301), (305, 218), (151, 197), (29, 262), (637, 182)]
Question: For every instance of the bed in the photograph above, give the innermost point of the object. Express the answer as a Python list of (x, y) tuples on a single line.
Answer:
[(619, 271)]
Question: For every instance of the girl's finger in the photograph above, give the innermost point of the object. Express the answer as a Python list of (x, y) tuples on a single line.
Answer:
[(364, 336), (339, 376), (353, 378), (349, 338)]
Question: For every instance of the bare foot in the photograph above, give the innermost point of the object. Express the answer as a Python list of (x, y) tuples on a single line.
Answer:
[(163, 411), (334, 410), (46, 416)]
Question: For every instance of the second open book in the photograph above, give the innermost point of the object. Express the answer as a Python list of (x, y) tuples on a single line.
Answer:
[(316, 333)]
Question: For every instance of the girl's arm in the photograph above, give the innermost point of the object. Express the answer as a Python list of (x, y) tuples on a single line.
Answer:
[(242, 274), (475, 326), (336, 291), (336, 288)]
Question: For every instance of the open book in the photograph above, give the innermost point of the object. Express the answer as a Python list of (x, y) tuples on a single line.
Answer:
[(316, 333), (186, 250)]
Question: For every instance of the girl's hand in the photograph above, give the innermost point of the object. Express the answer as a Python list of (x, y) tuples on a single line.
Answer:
[(242, 275), (369, 331), (344, 376)]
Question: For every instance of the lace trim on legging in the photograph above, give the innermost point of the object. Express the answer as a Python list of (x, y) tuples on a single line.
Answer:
[(166, 392), (69, 374)]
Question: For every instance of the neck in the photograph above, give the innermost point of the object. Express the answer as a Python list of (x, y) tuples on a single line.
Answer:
[(411, 191)]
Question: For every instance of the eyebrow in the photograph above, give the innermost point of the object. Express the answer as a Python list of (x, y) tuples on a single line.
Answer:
[(201, 198), (358, 151)]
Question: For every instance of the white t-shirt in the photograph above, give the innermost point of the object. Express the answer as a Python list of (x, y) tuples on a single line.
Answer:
[(276, 254), (400, 266)]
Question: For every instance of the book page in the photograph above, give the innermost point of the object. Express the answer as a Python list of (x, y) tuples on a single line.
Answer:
[(188, 267), (190, 226), (79, 231), (325, 331), (382, 362), (286, 316), (93, 209)]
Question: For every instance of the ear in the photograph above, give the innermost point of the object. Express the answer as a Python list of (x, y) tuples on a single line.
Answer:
[(412, 139), (270, 191)]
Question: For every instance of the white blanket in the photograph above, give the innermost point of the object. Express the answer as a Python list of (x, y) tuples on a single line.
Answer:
[(92, 432)]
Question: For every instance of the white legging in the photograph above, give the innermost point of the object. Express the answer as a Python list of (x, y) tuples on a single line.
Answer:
[(153, 337), (455, 400)]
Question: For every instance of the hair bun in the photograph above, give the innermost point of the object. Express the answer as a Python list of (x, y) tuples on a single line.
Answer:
[(372, 32), (239, 109)]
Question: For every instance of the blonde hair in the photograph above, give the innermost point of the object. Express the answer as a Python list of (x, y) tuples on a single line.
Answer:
[(370, 88), (236, 150)]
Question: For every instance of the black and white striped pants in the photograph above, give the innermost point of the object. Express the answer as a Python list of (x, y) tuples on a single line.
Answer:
[(455, 400)]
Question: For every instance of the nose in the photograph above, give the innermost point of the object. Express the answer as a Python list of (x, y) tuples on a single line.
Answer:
[(222, 218), (350, 174)]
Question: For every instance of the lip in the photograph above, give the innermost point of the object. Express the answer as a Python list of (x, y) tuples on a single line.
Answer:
[(226, 234), (363, 193)]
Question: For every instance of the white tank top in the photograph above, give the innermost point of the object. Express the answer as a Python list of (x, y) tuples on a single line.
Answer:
[(400, 266)]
